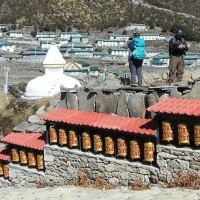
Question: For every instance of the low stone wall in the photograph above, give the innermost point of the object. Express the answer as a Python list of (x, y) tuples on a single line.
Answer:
[(172, 160), (63, 165), (22, 176)]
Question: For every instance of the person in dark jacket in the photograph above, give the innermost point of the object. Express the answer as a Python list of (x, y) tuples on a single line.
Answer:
[(177, 50)]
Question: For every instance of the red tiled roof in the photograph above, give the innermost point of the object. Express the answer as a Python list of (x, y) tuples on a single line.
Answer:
[(102, 120), (29, 140), (178, 106), (4, 155)]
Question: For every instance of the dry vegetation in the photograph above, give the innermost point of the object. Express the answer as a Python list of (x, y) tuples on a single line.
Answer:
[(100, 182), (187, 180)]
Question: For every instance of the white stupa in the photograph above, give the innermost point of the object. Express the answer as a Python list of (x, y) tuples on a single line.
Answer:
[(50, 83)]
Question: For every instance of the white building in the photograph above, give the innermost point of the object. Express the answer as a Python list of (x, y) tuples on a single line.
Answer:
[(68, 35), (15, 34), (86, 53), (45, 35), (7, 46), (118, 52), (118, 37), (152, 36), (136, 27), (49, 84), (110, 43)]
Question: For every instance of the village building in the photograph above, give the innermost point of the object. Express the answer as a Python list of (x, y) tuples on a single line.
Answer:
[(152, 36), (79, 38), (100, 54), (46, 35), (15, 34), (136, 27), (68, 35), (109, 43), (34, 55), (118, 37), (118, 52), (86, 53), (162, 59), (7, 46)]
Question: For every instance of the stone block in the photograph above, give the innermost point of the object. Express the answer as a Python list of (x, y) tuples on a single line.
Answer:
[(110, 168), (49, 158)]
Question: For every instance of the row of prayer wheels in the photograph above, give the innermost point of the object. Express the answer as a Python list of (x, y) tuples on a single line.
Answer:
[(99, 144), (4, 170), (183, 133), (30, 158)]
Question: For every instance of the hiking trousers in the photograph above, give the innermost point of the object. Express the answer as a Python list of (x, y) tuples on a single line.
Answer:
[(176, 68), (136, 71)]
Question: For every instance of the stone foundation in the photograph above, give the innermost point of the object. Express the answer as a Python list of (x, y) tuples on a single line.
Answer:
[(63, 164)]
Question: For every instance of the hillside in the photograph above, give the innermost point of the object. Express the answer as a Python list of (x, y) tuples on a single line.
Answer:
[(102, 14)]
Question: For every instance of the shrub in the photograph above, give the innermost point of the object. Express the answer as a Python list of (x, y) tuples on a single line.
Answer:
[(186, 180)]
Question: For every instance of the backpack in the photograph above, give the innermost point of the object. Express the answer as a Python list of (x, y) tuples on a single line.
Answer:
[(137, 47)]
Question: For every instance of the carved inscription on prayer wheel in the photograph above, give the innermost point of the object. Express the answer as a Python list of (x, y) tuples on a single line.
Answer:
[(40, 162), (134, 150), (1, 169), (98, 144), (197, 135), (15, 155), (86, 140), (183, 134), (23, 157), (149, 151), (53, 137), (62, 137), (109, 146), (5, 171), (73, 138), (121, 147), (167, 132), (31, 159)]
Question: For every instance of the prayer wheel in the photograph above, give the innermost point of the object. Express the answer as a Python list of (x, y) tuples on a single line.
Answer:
[(167, 132), (197, 135), (23, 157), (15, 155), (31, 159), (109, 146), (121, 147), (62, 137), (134, 150), (40, 162), (53, 138), (149, 151), (98, 144), (1, 169), (87, 144), (73, 138), (5, 171), (183, 134)]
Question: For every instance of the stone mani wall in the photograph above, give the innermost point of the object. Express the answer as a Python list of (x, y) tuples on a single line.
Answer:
[(63, 164), (121, 103), (172, 160), (22, 176)]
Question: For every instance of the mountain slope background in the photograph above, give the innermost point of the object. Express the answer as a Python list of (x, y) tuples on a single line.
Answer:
[(102, 14)]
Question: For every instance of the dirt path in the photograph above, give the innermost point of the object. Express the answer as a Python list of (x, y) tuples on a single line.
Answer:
[(79, 193)]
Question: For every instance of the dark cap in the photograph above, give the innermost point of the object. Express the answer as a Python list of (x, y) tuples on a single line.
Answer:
[(179, 33)]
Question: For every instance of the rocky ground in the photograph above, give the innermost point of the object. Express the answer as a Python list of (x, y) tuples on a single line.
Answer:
[(80, 193)]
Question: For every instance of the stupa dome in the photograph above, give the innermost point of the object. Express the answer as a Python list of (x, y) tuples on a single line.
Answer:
[(50, 83)]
